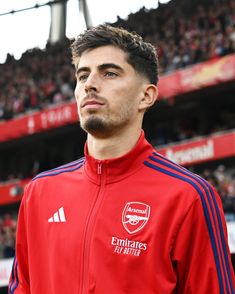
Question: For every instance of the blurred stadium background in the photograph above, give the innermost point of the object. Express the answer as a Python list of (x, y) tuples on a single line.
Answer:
[(193, 122)]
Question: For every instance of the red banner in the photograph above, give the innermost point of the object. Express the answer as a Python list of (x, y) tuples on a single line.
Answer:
[(199, 76), (201, 150), (39, 121)]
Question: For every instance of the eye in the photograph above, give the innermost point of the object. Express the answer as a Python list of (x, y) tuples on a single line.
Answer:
[(110, 74), (82, 77)]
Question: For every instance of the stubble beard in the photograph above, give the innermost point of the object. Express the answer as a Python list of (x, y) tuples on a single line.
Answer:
[(94, 124), (102, 127), (106, 124), (97, 126)]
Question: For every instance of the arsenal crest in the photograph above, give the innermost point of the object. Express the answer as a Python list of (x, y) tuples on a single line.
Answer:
[(135, 216)]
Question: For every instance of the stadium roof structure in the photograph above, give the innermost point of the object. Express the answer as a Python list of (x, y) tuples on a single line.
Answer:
[(51, 21)]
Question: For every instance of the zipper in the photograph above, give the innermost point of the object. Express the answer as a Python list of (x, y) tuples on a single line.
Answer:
[(89, 230), (99, 168)]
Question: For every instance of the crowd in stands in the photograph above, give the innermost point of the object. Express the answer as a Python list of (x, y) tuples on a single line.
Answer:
[(223, 180), (40, 78), (183, 37), (7, 235), (184, 34)]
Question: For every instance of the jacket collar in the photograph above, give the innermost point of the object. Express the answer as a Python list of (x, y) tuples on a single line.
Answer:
[(112, 170)]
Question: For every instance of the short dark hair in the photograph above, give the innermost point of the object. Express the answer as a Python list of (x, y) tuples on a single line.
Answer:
[(141, 55)]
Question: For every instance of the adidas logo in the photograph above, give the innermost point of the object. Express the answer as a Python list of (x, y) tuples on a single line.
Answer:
[(58, 217)]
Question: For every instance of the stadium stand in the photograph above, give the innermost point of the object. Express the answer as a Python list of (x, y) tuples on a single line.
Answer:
[(39, 78), (184, 35), (193, 125), (7, 235)]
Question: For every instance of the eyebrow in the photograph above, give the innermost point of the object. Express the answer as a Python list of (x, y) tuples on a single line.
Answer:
[(100, 67)]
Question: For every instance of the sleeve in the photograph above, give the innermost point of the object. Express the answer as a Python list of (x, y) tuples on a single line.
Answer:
[(200, 252), (19, 279)]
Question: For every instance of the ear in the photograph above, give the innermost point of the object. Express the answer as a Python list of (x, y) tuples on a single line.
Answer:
[(149, 97)]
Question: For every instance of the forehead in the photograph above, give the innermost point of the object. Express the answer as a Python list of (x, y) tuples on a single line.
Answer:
[(103, 55)]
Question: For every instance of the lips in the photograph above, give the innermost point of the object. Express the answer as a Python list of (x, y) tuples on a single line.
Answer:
[(90, 103)]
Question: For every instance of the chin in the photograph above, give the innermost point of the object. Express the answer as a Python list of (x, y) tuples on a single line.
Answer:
[(97, 127), (94, 124)]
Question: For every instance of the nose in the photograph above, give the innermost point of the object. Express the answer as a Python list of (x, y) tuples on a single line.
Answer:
[(91, 83)]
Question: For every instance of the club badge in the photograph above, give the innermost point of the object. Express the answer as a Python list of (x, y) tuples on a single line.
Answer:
[(135, 216)]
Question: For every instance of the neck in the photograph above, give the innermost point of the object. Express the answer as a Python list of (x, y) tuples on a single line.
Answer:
[(113, 146)]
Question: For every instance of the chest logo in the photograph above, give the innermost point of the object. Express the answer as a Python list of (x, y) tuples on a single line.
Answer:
[(135, 216)]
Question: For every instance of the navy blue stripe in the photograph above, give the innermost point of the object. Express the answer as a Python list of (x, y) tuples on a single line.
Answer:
[(223, 241), (63, 167), (58, 172), (71, 164), (12, 275), (204, 183), (207, 217), (17, 281)]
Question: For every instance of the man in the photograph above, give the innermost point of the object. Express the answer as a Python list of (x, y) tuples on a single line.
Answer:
[(123, 219)]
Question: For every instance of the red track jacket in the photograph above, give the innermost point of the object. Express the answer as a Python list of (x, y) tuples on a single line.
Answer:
[(135, 224)]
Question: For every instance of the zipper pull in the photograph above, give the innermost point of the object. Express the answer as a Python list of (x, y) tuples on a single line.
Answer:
[(99, 168)]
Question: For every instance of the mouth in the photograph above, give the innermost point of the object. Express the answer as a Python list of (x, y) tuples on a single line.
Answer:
[(92, 104)]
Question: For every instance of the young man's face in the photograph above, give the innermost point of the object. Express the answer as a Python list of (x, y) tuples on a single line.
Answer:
[(108, 91)]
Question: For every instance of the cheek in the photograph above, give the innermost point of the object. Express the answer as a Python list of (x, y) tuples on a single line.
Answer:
[(78, 93), (78, 96), (128, 98), (124, 105)]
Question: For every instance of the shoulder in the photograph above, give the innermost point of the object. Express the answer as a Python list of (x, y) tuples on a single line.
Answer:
[(178, 176), (47, 185), (66, 168), (53, 180)]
